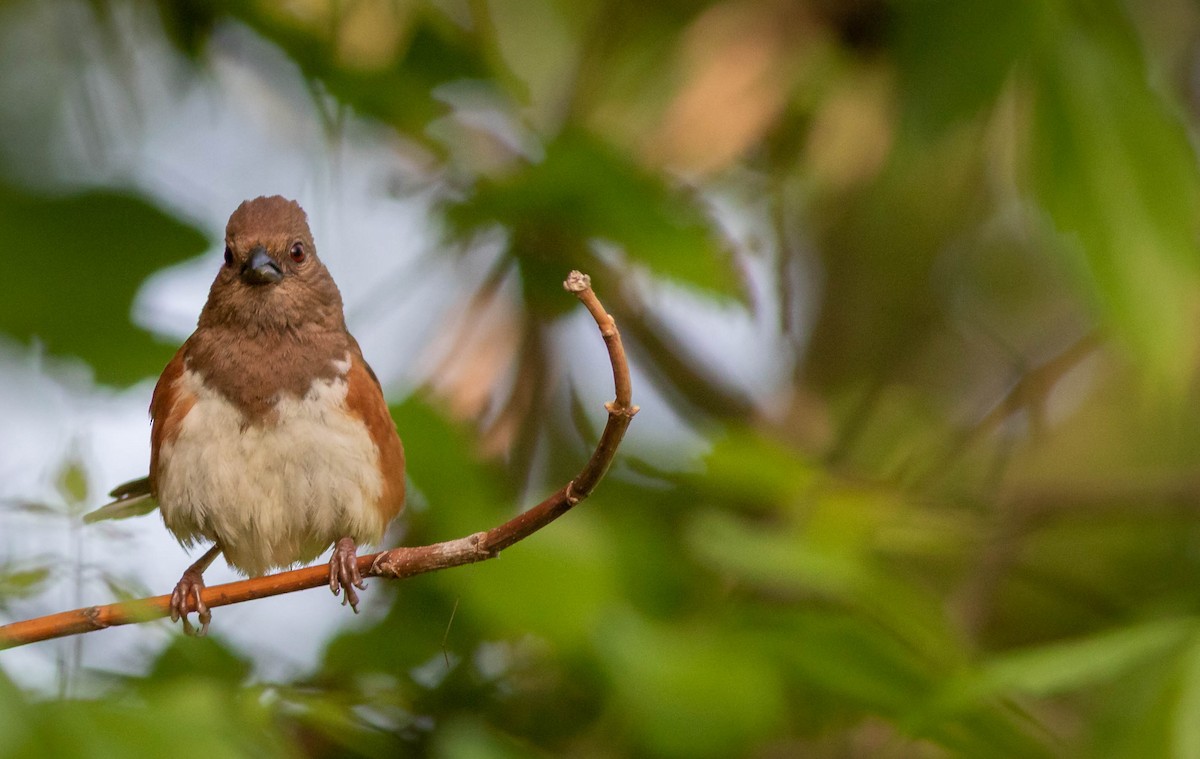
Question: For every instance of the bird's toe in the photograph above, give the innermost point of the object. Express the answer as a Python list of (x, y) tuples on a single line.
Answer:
[(187, 598), (344, 574)]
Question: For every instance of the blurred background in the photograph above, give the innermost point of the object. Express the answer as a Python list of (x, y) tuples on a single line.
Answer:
[(910, 293)]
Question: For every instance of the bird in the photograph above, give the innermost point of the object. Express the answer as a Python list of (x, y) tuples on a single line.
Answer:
[(269, 434)]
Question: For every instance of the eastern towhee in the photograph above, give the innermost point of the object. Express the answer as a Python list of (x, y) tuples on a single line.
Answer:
[(269, 433)]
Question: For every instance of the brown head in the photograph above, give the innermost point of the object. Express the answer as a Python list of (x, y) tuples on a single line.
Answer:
[(271, 279), (273, 322)]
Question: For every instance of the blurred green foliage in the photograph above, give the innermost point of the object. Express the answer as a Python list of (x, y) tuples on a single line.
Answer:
[(63, 251), (963, 523)]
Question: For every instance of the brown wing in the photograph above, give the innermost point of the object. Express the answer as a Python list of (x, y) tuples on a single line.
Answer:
[(168, 406), (364, 398)]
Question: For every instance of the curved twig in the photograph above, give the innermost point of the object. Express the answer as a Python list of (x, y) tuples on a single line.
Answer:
[(397, 562)]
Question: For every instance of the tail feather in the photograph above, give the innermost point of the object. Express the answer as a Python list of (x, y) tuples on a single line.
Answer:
[(133, 500), (131, 488)]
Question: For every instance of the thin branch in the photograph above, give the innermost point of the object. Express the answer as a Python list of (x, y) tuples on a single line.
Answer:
[(680, 373), (397, 562), (1031, 390), (1029, 393)]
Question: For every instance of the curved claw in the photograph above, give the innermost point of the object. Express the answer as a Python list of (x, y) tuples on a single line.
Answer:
[(344, 574), (185, 597)]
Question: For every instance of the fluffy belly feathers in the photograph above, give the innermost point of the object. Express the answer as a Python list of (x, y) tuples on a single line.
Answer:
[(275, 492)]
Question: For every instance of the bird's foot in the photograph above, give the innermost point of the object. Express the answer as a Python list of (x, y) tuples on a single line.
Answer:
[(344, 574), (185, 598)]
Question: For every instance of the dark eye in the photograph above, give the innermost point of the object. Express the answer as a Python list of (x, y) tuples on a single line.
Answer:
[(298, 252), (228, 256)]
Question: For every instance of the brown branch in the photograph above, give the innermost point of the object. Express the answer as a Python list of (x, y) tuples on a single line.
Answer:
[(680, 373), (398, 562), (1031, 391)]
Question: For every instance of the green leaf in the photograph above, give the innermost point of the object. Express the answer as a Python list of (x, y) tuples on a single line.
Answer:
[(583, 191), (15, 724), (770, 557), (21, 583), (853, 658), (71, 268), (465, 493), (751, 468), (830, 554), (954, 57), (1186, 722), (183, 718), (1064, 667), (332, 716), (690, 691), (398, 89), (1113, 166), (465, 738), (72, 482), (558, 584), (187, 657), (851, 663)]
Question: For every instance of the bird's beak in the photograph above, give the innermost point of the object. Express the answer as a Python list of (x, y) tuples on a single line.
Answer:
[(260, 269)]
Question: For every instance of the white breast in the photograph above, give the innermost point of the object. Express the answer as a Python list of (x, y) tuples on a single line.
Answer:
[(275, 493)]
